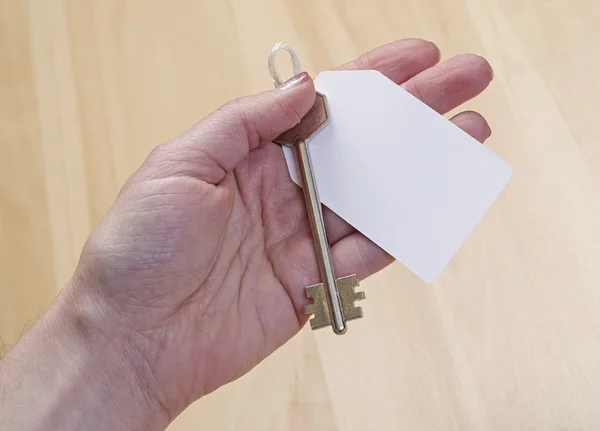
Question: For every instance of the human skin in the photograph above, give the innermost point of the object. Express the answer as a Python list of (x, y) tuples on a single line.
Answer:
[(198, 270)]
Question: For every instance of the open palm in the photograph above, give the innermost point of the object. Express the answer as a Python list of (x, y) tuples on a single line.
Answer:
[(203, 260)]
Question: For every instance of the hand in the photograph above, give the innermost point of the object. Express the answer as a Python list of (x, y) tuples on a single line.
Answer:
[(198, 271)]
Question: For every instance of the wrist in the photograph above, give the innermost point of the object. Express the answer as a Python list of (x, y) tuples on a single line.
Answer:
[(73, 370)]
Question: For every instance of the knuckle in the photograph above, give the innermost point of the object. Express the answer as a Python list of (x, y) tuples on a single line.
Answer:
[(238, 108), (159, 153), (413, 88), (289, 110), (160, 162), (365, 61)]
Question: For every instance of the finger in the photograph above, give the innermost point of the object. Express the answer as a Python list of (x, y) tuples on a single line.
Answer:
[(474, 124), (399, 61), (451, 83), (356, 254), (219, 142), (336, 227)]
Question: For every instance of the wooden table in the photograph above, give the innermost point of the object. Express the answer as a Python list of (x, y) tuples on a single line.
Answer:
[(508, 338)]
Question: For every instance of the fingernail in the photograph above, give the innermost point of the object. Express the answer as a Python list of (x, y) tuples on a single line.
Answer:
[(295, 81)]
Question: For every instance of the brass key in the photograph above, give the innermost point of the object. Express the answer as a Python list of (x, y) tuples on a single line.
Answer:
[(333, 299)]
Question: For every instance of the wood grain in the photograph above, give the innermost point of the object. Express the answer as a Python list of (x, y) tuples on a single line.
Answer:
[(508, 338)]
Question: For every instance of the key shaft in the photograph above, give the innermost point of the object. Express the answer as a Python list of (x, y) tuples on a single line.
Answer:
[(317, 224), (333, 299)]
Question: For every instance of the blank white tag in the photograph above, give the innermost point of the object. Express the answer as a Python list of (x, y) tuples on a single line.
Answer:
[(399, 172)]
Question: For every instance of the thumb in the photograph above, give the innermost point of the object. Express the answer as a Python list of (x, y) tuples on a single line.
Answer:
[(219, 142)]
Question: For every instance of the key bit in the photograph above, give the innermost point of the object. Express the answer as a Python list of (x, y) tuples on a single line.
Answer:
[(333, 299), (348, 295)]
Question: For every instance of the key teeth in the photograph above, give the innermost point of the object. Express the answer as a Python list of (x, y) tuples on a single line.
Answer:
[(313, 291), (353, 313), (348, 295), (310, 309), (316, 324), (318, 308), (347, 288)]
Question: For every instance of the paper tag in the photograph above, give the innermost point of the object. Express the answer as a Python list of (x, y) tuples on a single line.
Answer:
[(399, 172)]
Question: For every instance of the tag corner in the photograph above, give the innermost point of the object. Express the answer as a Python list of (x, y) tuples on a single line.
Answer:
[(511, 172), (429, 278)]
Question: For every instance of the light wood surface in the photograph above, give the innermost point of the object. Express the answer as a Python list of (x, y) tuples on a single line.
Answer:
[(508, 338)]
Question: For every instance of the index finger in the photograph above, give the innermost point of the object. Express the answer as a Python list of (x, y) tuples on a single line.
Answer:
[(399, 60)]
